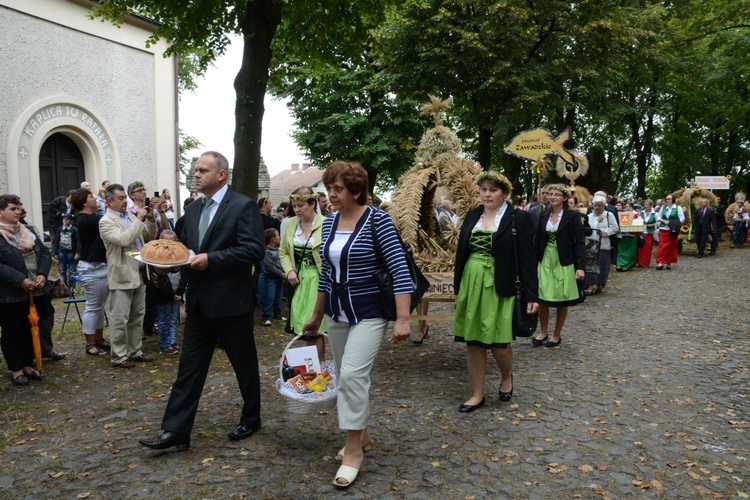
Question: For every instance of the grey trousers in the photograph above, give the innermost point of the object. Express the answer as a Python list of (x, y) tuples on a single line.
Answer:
[(126, 310), (354, 349)]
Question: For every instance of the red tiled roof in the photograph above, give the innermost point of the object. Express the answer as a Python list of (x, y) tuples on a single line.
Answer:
[(283, 183)]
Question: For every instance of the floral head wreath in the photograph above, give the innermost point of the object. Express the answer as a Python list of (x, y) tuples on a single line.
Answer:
[(494, 176), (308, 198), (560, 187)]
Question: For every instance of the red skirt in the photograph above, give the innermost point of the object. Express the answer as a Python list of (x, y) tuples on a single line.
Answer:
[(644, 252), (667, 251)]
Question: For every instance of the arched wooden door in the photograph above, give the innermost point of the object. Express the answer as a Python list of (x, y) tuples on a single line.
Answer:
[(60, 168)]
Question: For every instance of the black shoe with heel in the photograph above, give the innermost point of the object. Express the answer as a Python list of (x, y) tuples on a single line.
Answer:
[(536, 342), (426, 333), (505, 396)]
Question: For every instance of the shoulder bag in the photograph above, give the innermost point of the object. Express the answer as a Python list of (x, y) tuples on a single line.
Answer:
[(524, 324), (384, 280)]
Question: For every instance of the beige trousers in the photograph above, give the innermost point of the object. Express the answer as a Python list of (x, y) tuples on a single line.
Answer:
[(126, 310), (354, 349)]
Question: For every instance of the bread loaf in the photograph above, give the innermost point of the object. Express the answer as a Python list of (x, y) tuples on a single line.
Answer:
[(165, 253)]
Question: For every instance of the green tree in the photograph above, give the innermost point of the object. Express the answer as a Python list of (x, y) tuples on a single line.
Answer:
[(201, 30), (340, 108)]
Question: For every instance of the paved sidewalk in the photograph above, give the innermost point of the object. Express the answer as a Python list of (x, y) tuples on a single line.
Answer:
[(647, 396)]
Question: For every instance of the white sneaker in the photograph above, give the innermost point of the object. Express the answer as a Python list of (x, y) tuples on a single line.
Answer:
[(267, 322)]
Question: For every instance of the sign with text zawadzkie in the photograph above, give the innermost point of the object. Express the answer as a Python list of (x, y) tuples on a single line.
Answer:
[(537, 143)]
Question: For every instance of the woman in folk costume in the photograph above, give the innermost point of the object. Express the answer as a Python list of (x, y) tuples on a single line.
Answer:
[(561, 253), (666, 255), (649, 228), (485, 280), (300, 257)]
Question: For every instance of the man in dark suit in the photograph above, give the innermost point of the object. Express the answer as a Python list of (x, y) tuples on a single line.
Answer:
[(226, 233), (705, 221)]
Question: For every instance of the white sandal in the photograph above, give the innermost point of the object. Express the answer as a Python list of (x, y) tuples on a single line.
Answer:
[(345, 472), (340, 455)]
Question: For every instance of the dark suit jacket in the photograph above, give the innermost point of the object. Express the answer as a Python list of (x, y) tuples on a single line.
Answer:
[(57, 207), (571, 246), (234, 241), (704, 224), (502, 251)]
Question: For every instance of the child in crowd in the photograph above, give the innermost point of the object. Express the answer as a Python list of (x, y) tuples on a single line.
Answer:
[(273, 277), (67, 248), (169, 286)]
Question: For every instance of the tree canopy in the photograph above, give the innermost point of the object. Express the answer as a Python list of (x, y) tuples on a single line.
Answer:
[(656, 92)]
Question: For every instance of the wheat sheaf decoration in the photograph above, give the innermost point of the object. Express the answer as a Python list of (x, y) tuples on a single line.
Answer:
[(437, 164)]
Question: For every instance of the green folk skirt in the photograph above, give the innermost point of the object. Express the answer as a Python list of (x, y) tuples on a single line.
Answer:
[(557, 283), (483, 318), (303, 302)]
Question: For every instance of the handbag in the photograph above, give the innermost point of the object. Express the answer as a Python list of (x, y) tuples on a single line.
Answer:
[(384, 280), (674, 227), (524, 324), (641, 241)]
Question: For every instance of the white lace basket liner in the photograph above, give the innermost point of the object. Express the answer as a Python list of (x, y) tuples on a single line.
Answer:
[(314, 401)]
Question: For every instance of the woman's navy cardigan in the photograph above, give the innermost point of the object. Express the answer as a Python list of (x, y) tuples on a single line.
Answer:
[(357, 292)]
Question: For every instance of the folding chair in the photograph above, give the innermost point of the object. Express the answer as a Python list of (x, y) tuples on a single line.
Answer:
[(76, 289)]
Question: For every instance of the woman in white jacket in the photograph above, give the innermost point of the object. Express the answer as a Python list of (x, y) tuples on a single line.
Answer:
[(604, 224)]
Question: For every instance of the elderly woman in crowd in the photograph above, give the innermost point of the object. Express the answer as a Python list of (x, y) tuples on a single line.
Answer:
[(485, 280), (603, 224), (562, 262), (300, 257), (670, 214), (24, 264), (351, 302), (92, 269), (649, 228)]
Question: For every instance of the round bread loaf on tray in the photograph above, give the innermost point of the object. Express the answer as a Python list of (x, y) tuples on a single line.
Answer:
[(165, 253)]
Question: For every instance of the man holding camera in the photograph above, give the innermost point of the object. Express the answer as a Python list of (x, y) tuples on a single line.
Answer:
[(123, 232)]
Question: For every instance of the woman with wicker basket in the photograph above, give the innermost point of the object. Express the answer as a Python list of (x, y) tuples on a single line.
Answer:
[(485, 279), (350, 300), (300, 257)]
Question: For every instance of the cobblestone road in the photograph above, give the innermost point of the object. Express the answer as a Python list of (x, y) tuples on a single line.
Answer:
[(647, 396)]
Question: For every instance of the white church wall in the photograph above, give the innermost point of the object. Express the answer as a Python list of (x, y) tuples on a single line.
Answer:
[(91, 81)]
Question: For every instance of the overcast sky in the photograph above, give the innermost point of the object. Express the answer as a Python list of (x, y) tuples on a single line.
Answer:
[(208, 115)]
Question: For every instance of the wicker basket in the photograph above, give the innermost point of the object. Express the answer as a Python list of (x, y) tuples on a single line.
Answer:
[(307, 403)]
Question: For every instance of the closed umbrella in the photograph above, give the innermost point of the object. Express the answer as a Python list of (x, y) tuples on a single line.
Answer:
[(34, 321)]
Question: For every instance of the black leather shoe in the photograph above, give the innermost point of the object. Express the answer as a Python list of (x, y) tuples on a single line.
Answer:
[(243, 431), (53, 356), (470, 408), (34, 375), (168, 440), (536, 342), (505, 396)]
